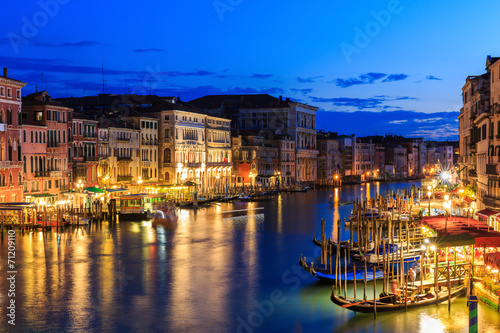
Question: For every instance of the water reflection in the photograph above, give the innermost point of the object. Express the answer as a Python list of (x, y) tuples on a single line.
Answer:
[(203, 274)]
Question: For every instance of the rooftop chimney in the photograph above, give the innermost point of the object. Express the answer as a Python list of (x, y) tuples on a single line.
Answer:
[(281, 98), (5, 72)]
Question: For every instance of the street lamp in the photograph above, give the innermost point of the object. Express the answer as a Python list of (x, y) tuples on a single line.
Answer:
[(79, 186), (429, 196), (446, 205), (279, 180)]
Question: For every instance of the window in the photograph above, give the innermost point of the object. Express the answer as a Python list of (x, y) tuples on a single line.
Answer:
[(64, 117), (18, 94), (39, 115), (167, 133), (49, 114), (24, 137), (483, 132), (156, 125), (143, 124), (31, 136), (9, 92), (2, 91)]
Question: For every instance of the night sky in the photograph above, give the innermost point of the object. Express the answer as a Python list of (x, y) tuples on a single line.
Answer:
[(373, 67)]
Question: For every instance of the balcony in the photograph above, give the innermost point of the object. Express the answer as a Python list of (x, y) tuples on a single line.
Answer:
[(166, 140), (103, 139), (146, 163), (91, 135), (5, 164), (52, 144), (167, 165), (123, 139), (124, 178), (91, 158), (39, 174), (124, 158), (149, 142), (55, 174)]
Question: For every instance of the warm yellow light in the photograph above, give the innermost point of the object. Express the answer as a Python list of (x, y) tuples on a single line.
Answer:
[(433, 247), (488, 267), (429, 187), (446, 197), (336, 176), (368, 173)]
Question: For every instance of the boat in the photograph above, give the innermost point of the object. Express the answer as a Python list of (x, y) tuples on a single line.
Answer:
[(324, 274), (166, 215), (343, 245), (388, 303), (79, 221), (135, 207)]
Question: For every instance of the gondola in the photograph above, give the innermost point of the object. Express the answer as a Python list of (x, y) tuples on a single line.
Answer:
[(386, 304), (324, 274), (344, 246)]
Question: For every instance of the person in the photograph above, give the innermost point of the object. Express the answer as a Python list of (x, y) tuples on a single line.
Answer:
[(412, 275), (395, 291)]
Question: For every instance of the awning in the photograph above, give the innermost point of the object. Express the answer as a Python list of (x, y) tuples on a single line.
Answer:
[(44, 195), (452, 240), (492, 259), (113, 190), (485, 213), (468, 200), (93, 189), (487, 241)]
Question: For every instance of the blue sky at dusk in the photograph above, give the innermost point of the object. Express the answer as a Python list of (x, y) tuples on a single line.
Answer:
[(373, 67)]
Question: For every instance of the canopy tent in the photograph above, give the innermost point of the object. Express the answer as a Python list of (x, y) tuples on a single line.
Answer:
[(485, 213), (113, 190), (468, 200), (93, 189), (43, 195), (492, 259), (452, 240), (487, 241)]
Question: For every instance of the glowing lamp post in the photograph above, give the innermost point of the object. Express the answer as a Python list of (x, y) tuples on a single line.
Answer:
[(429, 196), (140, 183), (446, 205)]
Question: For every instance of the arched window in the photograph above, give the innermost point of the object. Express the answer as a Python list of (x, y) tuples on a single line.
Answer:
[(167, 156), (36, 137), (31, 164), (19, 179), (24, 164), (43, 137), (11, 180), (167, 177), (31, 136), (24, 136)]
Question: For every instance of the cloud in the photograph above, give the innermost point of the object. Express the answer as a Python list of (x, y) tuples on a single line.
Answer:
[(429, 120), (405, 98), (309, 79), (148, 50), (401, 122), (302, 91), (368, 78), (261, 76), (359, 103), (432, 77), (395, 77)]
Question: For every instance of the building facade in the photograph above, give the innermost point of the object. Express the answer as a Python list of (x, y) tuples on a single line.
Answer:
[(39, 109), (11, 177), (84, 153)]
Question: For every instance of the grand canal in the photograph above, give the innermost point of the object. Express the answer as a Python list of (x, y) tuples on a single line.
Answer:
[(220, 269)]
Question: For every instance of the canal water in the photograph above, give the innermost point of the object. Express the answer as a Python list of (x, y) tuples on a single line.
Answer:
[(219, 269)]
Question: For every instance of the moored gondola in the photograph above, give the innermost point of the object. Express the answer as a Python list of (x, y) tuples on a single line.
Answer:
[(389, 303)]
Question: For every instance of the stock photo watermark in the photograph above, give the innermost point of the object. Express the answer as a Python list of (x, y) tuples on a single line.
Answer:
[(293, 279), (223, 6), (364, 36), (11, 279), (31, 26)]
